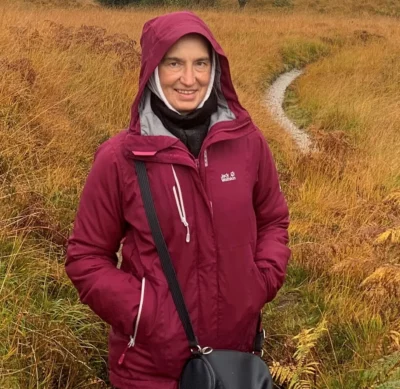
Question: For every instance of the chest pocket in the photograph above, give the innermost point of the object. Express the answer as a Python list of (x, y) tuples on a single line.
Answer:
[(230, 187)]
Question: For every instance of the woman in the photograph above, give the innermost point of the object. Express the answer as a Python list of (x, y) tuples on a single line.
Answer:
[(219, 205)]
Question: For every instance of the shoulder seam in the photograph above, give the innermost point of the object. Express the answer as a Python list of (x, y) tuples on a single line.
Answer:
[(120, 175)]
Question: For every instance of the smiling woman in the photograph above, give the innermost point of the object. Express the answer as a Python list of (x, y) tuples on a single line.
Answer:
[(185, 73), (218, 203), (182, 85)]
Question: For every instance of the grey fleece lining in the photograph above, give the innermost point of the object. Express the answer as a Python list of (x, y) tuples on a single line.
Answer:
[(151, 125)]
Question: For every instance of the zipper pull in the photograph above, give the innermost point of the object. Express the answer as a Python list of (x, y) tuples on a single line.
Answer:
[(197, 163), (122, 357), (186, 224), (187, 234), (129, 345)]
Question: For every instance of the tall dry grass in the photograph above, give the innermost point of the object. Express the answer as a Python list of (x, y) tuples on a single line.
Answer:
[(339, 7), (67, 80)]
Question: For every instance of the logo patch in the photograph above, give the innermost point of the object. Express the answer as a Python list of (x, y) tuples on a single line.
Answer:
[(228, 177)]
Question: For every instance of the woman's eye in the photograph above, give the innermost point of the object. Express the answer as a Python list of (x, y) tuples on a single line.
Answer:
[(173, 64), (202, 65)]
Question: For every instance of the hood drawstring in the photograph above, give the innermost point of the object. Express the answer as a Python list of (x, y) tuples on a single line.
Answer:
[(180, 205)]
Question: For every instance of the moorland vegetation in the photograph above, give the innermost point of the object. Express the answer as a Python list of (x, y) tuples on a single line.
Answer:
[(338, 7), (67, 79)]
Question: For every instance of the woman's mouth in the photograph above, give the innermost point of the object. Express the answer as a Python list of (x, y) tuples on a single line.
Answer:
[(186, 95), (185, 92)]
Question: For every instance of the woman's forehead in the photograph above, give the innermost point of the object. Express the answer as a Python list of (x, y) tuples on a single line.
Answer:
[(191, 44)]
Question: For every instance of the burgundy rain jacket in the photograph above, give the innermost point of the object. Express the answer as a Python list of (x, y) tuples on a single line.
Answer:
[(223, 217)]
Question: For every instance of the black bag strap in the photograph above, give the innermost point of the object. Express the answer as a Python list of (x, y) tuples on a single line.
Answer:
[(168, 267), (260, 336), (163, 253)]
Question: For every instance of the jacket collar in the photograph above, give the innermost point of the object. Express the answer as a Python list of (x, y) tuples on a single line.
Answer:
[(168, 149)]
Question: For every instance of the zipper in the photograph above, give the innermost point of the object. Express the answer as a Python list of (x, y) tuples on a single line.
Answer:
[(132, 338), (205, 179), (207, 142), (122, 357), (206, 162)]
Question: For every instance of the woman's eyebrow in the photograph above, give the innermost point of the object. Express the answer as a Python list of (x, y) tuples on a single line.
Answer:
[(203, 59), (176, 59)]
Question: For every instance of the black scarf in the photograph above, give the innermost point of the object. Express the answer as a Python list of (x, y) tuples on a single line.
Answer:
[(192, 128)]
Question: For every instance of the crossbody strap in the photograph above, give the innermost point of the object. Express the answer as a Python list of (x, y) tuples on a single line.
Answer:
[(163, 253), (168, 267)]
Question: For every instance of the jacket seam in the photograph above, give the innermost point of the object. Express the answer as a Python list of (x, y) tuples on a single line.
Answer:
[(121, 177)]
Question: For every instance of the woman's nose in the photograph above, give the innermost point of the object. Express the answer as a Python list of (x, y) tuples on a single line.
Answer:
[(188, 77)]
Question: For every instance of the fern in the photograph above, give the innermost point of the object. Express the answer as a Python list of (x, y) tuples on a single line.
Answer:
[(395, 338), (389, 236), (394, 198), (282, 373), (300, 374)]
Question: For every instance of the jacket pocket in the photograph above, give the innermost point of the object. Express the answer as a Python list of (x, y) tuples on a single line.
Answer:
[(158, 345), (258, 287), (242, 295), (132, 338), (166, 340)]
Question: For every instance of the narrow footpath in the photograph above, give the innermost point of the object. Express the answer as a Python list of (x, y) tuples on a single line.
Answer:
[(274, 100)]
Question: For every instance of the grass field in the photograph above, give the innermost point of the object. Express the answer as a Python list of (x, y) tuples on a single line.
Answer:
[(67, 79)]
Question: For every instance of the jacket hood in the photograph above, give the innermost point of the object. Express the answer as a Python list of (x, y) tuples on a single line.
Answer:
[(158, 35)]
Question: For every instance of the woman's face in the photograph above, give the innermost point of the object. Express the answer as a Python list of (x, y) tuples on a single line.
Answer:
[(185, 73)]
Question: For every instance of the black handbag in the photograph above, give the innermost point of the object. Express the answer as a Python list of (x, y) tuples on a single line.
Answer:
[(207, 368)]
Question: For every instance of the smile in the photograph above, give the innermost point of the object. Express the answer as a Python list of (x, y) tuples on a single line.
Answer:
[(186, 92)]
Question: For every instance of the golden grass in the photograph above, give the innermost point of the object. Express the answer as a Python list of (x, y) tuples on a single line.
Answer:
[(338, 7), (65, 87)]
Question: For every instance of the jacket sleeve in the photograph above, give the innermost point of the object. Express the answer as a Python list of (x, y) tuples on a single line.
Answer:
[(111, 293), (272, 253)]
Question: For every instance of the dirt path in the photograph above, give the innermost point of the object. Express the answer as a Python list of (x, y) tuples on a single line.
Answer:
[(274, 100)]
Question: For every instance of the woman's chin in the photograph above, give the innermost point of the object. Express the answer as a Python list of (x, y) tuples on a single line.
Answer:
[(186, 107)]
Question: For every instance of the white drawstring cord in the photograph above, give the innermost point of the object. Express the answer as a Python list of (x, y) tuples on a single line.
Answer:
[(180, 205), (133, 338)]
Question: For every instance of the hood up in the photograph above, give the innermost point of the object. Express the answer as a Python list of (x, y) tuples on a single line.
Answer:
[(158, 35)]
